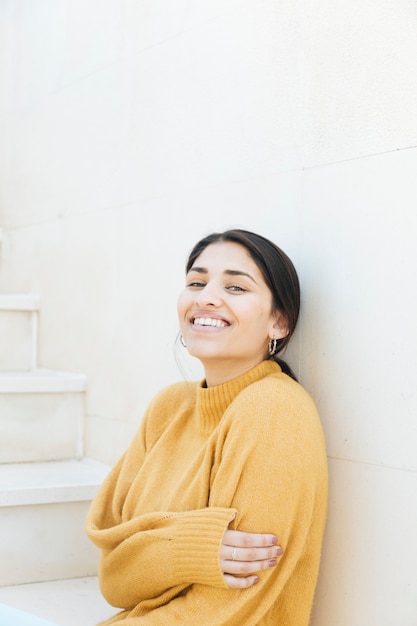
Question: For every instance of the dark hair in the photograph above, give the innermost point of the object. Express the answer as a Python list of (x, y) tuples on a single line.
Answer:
[(278, 271)]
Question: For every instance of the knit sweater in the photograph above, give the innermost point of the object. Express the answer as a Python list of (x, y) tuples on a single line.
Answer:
[(251, 449)]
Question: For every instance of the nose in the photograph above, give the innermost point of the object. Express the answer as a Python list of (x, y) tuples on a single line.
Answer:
[(209, 295)]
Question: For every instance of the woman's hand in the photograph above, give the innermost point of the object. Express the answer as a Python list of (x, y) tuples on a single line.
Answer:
[(247, 553)]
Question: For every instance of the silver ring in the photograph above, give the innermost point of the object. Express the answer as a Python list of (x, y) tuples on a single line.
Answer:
[(233, 554)]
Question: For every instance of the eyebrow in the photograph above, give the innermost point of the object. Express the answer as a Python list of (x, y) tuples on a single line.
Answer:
[(204, 270)]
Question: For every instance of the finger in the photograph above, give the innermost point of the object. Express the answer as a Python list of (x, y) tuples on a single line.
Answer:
[(249, 554), (240, 583), (237, 538), (246, 568)]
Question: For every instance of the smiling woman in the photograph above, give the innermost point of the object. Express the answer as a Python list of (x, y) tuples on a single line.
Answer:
[(216, 512)]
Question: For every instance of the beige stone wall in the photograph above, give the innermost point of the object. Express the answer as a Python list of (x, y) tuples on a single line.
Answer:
[(130, 129)]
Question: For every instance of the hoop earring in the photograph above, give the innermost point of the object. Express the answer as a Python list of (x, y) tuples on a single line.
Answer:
[(272, 346), (182, 342)]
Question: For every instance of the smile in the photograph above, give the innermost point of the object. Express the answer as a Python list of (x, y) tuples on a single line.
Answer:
[(208, 321)]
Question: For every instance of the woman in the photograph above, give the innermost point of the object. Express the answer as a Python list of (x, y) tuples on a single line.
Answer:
[(216, 512)]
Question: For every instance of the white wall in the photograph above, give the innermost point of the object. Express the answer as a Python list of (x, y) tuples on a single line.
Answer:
[(130, 129)]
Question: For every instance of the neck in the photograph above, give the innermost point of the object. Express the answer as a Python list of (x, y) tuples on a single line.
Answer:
[(220, 373)]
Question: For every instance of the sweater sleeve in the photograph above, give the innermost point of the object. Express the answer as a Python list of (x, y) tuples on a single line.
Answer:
[(159, 552)]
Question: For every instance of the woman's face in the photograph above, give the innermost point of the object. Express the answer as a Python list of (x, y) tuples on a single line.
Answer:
[(225, 312)]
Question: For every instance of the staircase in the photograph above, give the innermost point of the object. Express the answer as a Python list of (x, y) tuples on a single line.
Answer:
[(46, 485)]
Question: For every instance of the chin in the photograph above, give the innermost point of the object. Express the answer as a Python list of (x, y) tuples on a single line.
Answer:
[(203, 352)]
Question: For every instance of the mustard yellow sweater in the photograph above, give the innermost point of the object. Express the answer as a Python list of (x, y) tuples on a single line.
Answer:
[(252, 446)]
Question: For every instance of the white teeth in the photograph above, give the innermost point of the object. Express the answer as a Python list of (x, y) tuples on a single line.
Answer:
[(207, 321)]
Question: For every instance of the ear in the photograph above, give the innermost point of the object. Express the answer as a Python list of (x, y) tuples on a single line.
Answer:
[(279, 328)]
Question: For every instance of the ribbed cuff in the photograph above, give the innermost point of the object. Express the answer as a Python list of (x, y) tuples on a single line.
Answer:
[(196, 547)]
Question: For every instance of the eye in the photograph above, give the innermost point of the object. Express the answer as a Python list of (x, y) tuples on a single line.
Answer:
[(196, 284), (236, 288)]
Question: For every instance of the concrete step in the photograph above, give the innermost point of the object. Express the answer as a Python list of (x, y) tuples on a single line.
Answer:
[(42, 520), (73, 602), (18, 331), (41, 415)]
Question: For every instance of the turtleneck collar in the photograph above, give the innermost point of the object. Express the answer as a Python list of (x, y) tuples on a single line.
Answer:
[(212, 402)]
